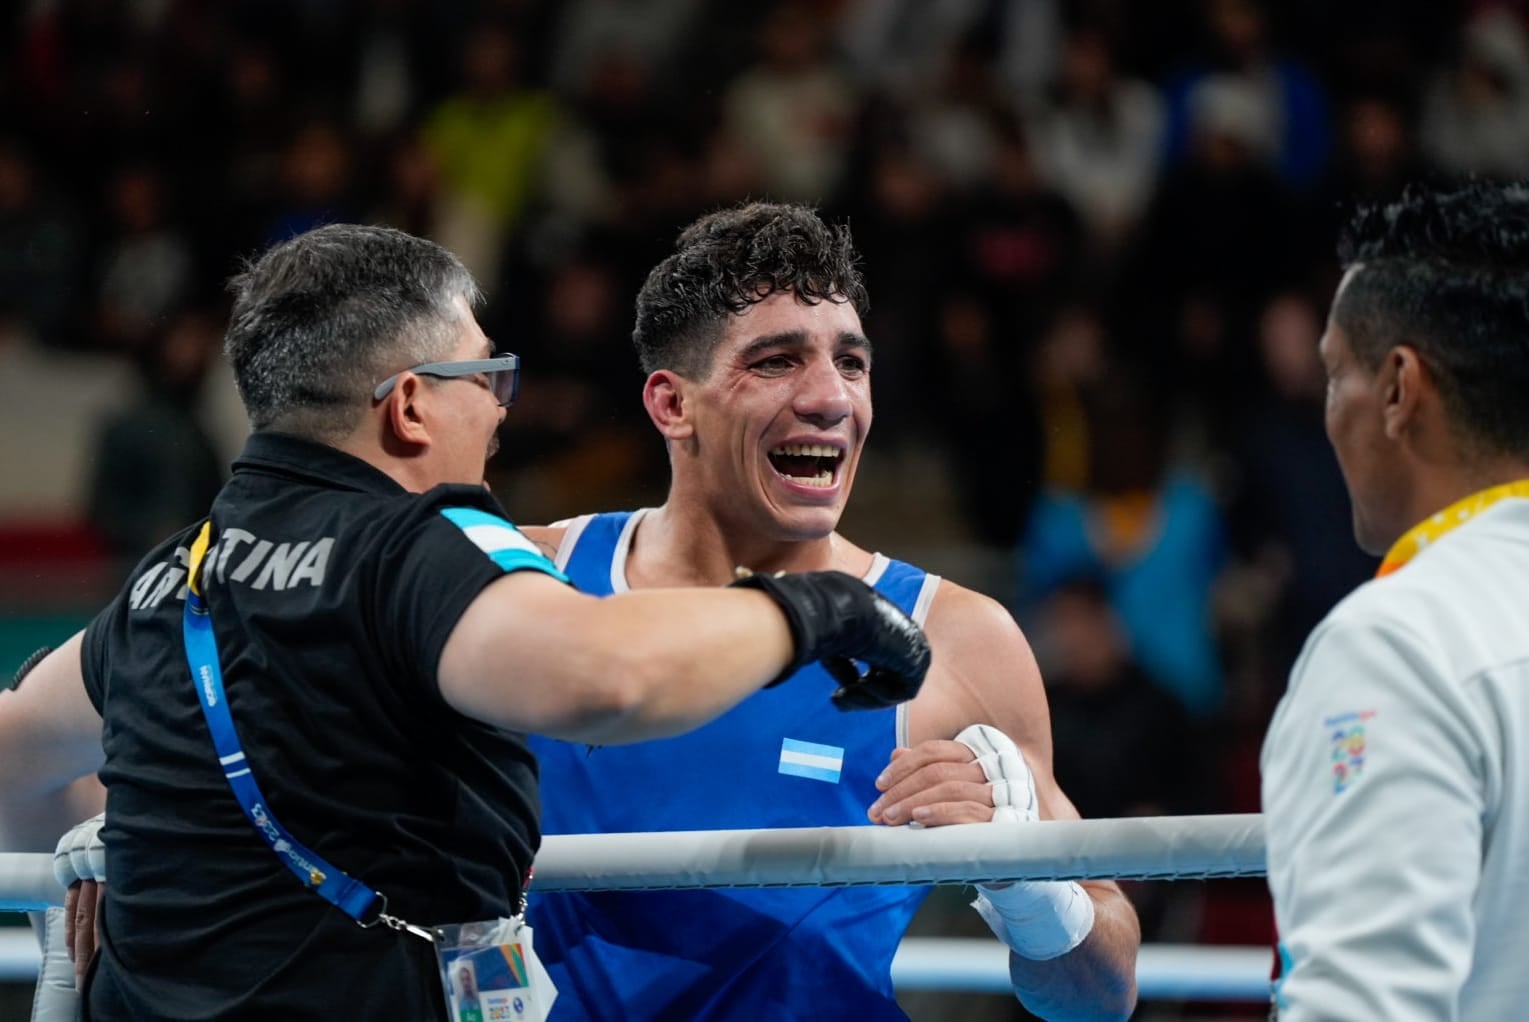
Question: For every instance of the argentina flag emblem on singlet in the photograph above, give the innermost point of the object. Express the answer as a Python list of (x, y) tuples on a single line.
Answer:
[(809, 759), (505, 545)]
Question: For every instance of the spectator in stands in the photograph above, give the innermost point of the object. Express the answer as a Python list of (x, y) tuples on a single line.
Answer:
[(1150, 530), (1123, 746), (147, 266), (792, 109), (1218, 234), (43, 254), (154, 467), (1290, 512), (1476, 115), (1098, 136), (314, 185), (1289, 99), (488, 139)]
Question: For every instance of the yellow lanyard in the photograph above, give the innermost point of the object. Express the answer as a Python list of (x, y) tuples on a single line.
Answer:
[(198, 552), (1428, 531)]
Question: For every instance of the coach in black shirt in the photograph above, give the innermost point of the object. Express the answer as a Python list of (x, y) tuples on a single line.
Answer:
[(384, 635)]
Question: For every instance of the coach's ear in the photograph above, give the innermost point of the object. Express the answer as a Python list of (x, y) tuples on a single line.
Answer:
[(668, 404), (407, 424)]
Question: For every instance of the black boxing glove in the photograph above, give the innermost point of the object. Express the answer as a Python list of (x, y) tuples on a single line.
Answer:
[(837, 619)]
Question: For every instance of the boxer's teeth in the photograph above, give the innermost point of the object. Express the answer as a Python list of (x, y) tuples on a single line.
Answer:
[(807, 464), (808, 451)]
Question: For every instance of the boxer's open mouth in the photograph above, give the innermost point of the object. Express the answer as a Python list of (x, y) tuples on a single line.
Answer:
[(808, 464)]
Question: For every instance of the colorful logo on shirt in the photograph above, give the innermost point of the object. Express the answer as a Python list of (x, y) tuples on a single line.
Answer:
[(1347, 744)]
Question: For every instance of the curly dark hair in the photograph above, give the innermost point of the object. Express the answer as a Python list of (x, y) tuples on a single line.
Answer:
[(1446, 271), (729, 260)]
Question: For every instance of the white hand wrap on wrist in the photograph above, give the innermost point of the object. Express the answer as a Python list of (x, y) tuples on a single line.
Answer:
[(80, 855), (54, 999), (1037, 919)]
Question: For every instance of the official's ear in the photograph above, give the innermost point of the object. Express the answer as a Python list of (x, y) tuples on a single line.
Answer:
[(1406, 383), (665, 397)]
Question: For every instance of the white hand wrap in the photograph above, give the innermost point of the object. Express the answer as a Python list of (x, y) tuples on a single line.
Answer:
[(54, 999), (80, 855), (1037, 919), (1005, 768)]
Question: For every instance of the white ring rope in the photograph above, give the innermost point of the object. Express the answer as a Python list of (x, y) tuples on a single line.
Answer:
[(27, 883), (1164, 972), (1157, 847), (1147, 848)]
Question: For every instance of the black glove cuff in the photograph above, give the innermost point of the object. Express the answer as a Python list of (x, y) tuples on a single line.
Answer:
[(788, 598)]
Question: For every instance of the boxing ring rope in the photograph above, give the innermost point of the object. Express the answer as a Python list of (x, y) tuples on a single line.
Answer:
[(1161, 848), (1136, 848)]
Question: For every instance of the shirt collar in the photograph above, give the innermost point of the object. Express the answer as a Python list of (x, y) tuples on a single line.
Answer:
[(293, 456), (1436, 526)]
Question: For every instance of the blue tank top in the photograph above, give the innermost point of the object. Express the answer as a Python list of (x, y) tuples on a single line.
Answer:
[(784, 757)]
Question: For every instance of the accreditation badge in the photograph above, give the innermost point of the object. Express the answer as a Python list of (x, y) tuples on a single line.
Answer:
[(490, 972)]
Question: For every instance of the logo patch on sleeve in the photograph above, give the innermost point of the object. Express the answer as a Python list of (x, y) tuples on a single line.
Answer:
[(807, 759), (1347, 744), (505, 545)]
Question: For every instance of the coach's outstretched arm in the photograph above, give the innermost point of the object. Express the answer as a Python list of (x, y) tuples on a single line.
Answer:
[(1072, 946), (531, 654)]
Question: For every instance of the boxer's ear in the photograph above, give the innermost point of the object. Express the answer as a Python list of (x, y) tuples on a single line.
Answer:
[(667, 400)]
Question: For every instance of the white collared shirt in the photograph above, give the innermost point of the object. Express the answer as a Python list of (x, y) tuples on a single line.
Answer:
[(1396, 791)]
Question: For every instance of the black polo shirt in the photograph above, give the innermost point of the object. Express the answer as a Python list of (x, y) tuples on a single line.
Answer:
[(332, 592)]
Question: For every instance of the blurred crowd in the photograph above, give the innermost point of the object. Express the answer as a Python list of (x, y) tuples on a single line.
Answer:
[(1098, 237)]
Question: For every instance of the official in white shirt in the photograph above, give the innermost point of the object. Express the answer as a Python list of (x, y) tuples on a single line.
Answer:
[(1396, 769)]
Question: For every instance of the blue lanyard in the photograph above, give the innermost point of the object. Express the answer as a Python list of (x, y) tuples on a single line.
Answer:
[(349, 895)]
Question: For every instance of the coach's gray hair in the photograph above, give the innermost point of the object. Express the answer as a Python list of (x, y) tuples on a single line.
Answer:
[(319, 320)]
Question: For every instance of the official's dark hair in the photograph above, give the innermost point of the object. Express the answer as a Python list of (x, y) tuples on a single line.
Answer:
[(1447, 273), (319, 320), (729, 260)]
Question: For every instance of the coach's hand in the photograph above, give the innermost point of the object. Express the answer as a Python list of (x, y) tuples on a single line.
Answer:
[(837, 619), (79, 866)]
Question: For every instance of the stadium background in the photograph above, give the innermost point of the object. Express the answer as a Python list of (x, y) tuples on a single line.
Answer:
[(1097, 235)]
